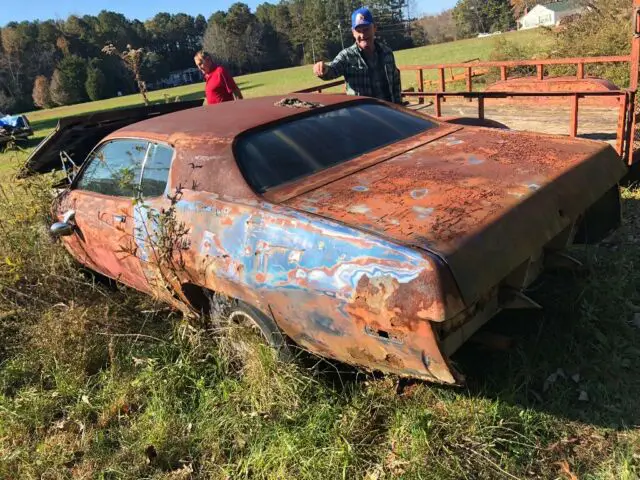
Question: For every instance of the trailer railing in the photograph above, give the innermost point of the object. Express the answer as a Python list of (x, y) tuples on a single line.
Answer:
[(626, 116), (505, 66)]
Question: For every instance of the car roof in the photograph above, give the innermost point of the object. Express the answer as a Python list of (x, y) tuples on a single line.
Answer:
[(224, 121)]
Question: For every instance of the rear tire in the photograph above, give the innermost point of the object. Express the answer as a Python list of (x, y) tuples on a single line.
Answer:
[(243, 315)]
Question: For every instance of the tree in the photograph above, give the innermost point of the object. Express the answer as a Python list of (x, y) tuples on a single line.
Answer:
[(96, 84), (521, 7), (59, 95), (237, 39), (133, 59), (68, 81), (482, 16), (439, 28), (41, 95)]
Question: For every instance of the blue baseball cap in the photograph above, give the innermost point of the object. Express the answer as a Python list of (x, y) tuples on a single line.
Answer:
[(361, 17)]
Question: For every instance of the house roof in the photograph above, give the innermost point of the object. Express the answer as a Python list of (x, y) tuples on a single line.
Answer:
[(562, 6)]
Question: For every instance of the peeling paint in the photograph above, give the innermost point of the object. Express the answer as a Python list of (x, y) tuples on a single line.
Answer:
[(423, 212), (473, 160), (362, 209), (419, 193)]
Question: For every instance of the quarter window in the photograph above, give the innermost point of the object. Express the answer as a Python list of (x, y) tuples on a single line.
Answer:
[(155, 173)]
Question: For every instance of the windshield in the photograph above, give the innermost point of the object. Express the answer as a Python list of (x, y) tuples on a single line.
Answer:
[(299, 148)]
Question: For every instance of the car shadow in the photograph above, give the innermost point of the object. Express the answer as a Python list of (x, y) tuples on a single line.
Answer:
[(576, 359), (603, 136), (250, 86)]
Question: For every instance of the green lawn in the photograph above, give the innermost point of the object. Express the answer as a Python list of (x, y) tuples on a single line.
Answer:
[(101, 382), (290, 79)]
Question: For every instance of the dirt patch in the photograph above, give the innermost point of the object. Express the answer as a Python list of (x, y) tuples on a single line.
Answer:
[(597, 123)]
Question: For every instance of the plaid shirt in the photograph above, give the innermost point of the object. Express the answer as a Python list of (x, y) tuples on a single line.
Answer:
[(351, 64)]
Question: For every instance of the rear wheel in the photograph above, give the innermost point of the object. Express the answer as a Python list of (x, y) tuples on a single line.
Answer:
[(253, 326)]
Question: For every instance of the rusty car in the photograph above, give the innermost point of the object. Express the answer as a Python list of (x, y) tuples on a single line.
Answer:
[(359, 230)]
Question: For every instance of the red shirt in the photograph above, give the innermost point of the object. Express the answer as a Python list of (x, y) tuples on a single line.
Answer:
[(219, 85)]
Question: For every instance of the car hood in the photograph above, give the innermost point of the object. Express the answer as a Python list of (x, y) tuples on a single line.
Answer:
[(482, 199), (78, 135)]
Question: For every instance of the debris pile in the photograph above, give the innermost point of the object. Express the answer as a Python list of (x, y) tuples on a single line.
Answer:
[(293, 102)]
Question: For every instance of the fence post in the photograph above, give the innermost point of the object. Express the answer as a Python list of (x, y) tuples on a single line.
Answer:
[(503, 73), (540, 69), (438, 106), (622, 124), (631, 126), (635, 47), (580, 71), (420, 78), (573, 129), (481, 107)]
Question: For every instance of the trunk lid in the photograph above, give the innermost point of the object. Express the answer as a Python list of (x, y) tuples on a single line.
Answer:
[(482, 199)]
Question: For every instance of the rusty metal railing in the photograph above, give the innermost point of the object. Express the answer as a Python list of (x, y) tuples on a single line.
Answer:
[(320, 88), (504, 67), (626, 101)]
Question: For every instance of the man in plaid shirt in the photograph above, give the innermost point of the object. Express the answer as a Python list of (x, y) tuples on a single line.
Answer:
[(368, 66)]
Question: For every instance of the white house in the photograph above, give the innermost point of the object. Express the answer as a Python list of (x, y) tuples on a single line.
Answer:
[(549, 15)]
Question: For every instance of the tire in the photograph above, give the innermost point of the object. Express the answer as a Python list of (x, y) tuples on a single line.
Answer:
[(243, 315)]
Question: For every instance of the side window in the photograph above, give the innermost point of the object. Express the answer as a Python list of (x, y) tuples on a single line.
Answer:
[(155, 172), (115, 168)]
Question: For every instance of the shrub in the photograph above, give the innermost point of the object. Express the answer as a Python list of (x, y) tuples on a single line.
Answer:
[(41, 95)]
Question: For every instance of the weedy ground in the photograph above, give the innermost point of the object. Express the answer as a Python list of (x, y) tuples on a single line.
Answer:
[(98, 381)]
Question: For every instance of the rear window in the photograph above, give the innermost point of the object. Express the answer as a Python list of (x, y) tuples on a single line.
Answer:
[(293, 150)]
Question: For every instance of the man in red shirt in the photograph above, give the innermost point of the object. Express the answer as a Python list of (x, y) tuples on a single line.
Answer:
[(220, 86)]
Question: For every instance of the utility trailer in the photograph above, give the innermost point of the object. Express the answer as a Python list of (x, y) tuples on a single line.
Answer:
[(579, 97)]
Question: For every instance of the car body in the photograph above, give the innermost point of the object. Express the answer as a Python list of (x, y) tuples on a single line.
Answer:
[(366, 232)]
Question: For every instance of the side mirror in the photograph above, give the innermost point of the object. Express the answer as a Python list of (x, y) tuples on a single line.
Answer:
[(65, 227), (61, 229)]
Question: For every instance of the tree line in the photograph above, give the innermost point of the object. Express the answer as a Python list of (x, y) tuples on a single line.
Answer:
[(61, 62)]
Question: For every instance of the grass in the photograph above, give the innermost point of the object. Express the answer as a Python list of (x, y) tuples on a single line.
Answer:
[(277, 82), (101, 382)]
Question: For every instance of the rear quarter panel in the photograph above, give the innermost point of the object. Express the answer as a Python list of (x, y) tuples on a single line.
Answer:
[(334, 290)]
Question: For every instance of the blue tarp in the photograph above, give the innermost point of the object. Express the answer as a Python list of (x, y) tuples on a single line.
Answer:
[(13, 121)]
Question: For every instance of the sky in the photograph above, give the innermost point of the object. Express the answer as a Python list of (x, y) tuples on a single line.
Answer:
[(144, 9)]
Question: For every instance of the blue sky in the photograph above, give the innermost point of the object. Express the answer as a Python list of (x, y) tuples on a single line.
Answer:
[(143, 9)]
